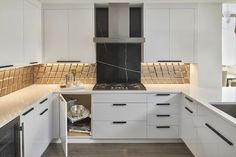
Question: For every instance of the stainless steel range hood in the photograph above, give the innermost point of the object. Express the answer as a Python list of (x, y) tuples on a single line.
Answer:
[(119, 25)]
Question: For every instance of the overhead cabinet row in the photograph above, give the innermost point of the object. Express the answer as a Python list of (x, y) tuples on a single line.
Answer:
[(20, 33), (170, 33), (68, 35)]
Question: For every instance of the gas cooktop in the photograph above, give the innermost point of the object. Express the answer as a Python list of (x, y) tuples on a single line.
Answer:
[(119, 86)]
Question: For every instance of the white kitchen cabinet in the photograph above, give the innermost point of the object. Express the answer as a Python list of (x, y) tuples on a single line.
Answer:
[(170, 33), (228, 41), (188, 124), (182, 24), (81, 32), (63, 124), (55, 35), (157, 34), (68, 34), (11, 34), (215, 137), (32, 32)]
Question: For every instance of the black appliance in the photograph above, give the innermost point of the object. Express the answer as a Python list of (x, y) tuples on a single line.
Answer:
[(227, 108), (10, 139), (119, 86)]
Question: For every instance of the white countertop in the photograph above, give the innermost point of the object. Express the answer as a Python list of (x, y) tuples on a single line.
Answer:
[(14, 104)]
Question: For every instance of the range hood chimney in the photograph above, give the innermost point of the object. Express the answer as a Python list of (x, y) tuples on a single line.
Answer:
[(119, 25)]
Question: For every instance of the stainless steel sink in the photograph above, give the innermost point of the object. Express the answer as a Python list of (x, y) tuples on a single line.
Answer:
[(229, 108)]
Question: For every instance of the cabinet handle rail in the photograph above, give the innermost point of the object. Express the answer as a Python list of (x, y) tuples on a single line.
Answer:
[(189, 110), (27, 112), (43, 112), (163, 104), (21, 129), (190, 100), (119, 104), (41, 102), (162, 127), (163, 115), (162, 94), (219, 134), (119, 122)]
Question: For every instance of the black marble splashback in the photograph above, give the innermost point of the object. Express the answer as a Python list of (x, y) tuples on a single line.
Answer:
[(118, 63)]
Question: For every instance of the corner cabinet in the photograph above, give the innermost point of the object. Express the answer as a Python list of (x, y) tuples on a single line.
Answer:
[(170, 32), (68, 33)]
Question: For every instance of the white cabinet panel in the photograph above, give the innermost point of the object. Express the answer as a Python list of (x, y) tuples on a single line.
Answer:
[(109, 111), (157, 34), (11, 34), (228, 41), (119, 129), (170, 33), (32, 33), (182, 34), (166, 132), (81, 32), (63, 124), (55, 35)]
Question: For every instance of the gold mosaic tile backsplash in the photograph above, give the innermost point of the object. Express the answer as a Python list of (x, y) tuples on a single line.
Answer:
[(17, 78)]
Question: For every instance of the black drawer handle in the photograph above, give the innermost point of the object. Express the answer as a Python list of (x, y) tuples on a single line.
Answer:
[(163, 127), (174, 61), (6, 66), (43, 112), (219, 134), (68, 61), (190, 100), (162, 94), (119, 104), (43, 101), (119, 122), (163, 115), (189, 110), (163, 104), (33, 63), (27, 112)]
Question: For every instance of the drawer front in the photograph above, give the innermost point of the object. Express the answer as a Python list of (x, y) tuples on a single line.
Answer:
[(119, 98), (190, 104), (163, 119), (162, 97), (112, 111), (167, 132), (163, 108), (119, 129)]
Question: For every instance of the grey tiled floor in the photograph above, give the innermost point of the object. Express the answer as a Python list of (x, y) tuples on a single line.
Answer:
[(120, 150)]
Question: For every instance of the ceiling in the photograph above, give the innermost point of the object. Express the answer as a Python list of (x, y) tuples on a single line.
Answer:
[(136, 1)]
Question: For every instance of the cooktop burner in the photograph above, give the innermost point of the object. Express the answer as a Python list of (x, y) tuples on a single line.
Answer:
[(119, 86)]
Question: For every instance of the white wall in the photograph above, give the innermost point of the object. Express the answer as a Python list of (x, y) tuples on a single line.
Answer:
[(207, 73)]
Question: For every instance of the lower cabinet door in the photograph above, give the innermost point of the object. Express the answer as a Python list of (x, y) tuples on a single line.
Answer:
[(119, 129), (63, 124), (163, 132), (207, 143)]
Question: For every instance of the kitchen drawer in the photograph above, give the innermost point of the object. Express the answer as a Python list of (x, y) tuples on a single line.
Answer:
[(167, 132), (162, 97), (163, 119), (119, 98), (163, 108), (113, 111), (190, 104), (119, 129)]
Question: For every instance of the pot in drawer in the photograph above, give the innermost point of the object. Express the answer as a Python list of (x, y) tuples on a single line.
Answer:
[(163, 132), (119, 129), (163, 119), (119, 111), (163, 108), (163, 97)]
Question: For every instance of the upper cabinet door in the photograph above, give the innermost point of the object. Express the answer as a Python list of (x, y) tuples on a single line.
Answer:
[(182, 34), (157, 33), (11, 34), (228, 41), (81, 33), (32, 32), (55, 35)]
